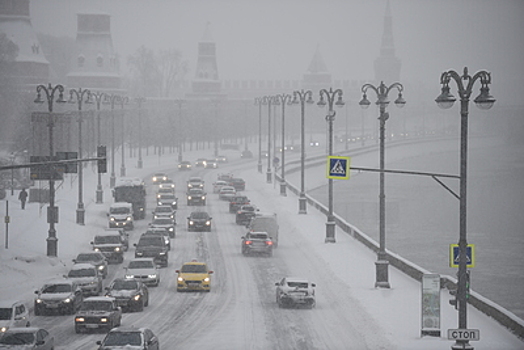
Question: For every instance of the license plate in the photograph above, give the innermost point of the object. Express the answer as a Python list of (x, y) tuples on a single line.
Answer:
[(91, 326), (52, 306)]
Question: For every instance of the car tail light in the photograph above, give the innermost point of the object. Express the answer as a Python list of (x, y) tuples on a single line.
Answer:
[(269, 243), (249, 242)]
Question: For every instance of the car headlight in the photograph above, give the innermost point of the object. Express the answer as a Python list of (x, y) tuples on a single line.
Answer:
[(67, 300), (97, 249), (207, 279), (112, 218), (162, 253), (103, 320), (203, 197), (117, 249), (157, 196), (139, 253), (189, 197), (137, 297), (129, 218), (101, 267), (180, 279), (167, 240), (39, 301), (208, 223), (171, 229), (128, 276), (191, 222), (174, 203), (79, 319), (151, 276)]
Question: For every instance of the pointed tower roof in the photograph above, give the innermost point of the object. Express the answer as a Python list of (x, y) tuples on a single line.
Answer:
[(387, 65), (317, 64), (207, 38)]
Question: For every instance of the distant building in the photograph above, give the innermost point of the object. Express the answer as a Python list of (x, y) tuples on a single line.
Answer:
[(95, 65), (31, 67), (317, 76), (387, 65)]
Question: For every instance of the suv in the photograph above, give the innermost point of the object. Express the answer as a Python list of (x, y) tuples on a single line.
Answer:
[(236, 202), (265, 222), (164, 211), (64, 296), (152, 247), (196, 196), (111, 244), (130, 294), (295, 292), (238, 183), (135, 338), (164, 223), (245, 214), (193, 275), (195, 182), (87, 278), (184, 165), (161, 232), (95, 258), (143, 269), (121, 215), (199, 221), (257, 242), (167, 199), (13, 313), (98, 313)]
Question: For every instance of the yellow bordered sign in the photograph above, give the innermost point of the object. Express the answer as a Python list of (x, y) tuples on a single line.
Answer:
[(338, 167), (454, 255)]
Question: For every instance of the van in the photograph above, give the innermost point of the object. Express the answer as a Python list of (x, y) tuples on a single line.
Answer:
[(265, 222), (121, 216)]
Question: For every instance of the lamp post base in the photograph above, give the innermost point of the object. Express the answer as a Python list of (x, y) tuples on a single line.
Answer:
[(80, 214), (122, 171), (112, 180), (283, 188), (140, 164), (180, 157), (382, 274), (302, 202), (99, 195), (330, 232), (259, 167), (268, 176), (462, 345), (52, 245)]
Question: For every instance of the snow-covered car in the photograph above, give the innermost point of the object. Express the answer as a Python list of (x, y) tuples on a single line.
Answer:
[(210, 164), (199, 221), (153, 246), (130, 294), (164, 211), (29, 338), (159, 177), (121, 215), (194, 276), (293, 291), (184, 165), (226, 193), (236, 202), (129, 338), (221, 159), (164, 190), (167, 199), (200, 162), (245, 214), (167, 184), (63, 296), (96, 258), (143, 269), (164, 223), (111, 244), (238, 183), (196, 196), (217, 185), (98, 313), (160, 232), (195, 182), (257, 243), (87, 277), (13, 313)]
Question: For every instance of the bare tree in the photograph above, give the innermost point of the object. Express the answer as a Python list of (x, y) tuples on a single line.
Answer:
[(172, 69), (145, 71)]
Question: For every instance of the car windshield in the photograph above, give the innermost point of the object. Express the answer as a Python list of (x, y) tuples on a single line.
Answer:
[(297, 284), (199, 215), (87, 257), (258, 236), (125, 284), (194, 269), (162, 222), (195, 191), (167, 196), (5, 314), (82, 273), (149, 241), (141, 264), (107, 239), (17, 339), (248, 208), (119, 210), (57, 288), (123, 339), (96, 306)]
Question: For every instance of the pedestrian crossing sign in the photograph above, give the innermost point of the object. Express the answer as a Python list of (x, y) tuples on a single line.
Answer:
[(337, 167), (454, 255)]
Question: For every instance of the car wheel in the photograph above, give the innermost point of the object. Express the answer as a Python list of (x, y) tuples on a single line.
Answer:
[(146, 303), (78, 330), (38, 311), (71, 310), (140, 307)]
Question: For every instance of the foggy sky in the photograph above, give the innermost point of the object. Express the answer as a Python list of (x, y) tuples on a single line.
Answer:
[(276, 39)]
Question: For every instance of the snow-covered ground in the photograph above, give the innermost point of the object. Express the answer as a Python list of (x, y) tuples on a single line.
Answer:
[(350, 312)]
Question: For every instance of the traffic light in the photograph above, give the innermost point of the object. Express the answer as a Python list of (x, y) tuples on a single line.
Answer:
[(101, 163)]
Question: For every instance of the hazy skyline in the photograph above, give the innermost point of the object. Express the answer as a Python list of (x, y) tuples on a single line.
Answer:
[(277, 39)]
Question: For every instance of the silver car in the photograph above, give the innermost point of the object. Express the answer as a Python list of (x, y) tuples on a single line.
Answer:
[(294, 292), (143, 269)]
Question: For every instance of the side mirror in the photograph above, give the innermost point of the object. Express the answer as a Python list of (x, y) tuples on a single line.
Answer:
[(243, 237), (134, 244), (277, 284), (98, 342), (65, 276), (177, 271), (313, 285), (92, 242), (210, 272), (74, 260), (36, 292)]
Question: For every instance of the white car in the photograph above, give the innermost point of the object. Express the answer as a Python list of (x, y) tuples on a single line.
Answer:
[(226, 193), (292, 291), (143, 269), (88, 278), (217, 185), (13, 313)]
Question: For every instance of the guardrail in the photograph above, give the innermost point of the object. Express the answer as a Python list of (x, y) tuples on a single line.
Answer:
[(503, 316)]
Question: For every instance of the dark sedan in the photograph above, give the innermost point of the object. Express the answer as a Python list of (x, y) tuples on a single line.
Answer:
[(199, 221)]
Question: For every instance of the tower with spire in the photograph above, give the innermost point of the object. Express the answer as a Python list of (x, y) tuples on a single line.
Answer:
[(317, 76), (95, 65), (206, 82), (387, 65)]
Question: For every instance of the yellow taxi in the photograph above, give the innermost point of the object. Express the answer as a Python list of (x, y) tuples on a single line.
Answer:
[(194, 276)]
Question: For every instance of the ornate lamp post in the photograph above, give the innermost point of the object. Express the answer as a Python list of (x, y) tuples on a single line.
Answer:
[(283, 99), (112, 99), (382, 92), (484, 101), (79, 96), (99, 98), (216, 103), (52, 211), (259, 103), (330, 118), (302, 96), (123, 100), (180, 103), (140, 162), (268, 100)]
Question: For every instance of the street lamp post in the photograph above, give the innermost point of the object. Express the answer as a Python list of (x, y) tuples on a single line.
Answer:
[(216, 103), (259, 103), (123, 100), (52, 211), (180, 102), (112, 99), (268, 100), (484, 101), (302, 96), (99, 97), (382, 92), (140, 100), (80, 96), (330, 118), (283, 99)]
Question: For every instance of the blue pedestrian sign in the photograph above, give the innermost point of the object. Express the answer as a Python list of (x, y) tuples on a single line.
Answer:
[(337, 167), (454, 255)]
